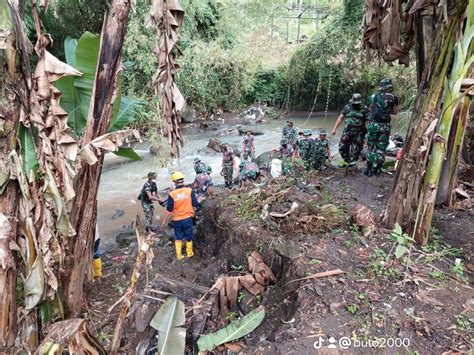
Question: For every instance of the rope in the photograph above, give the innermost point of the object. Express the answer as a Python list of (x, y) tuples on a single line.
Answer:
[(329, 94), (318, 88)]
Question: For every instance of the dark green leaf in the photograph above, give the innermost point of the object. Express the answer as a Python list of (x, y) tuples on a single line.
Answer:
[(128, 153), (129, 112)]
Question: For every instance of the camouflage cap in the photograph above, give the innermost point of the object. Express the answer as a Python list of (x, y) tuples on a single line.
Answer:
[(356, 99), (307, 132), (386, 84), (197, 159), (322, 132), (151, 175), (289, 121)]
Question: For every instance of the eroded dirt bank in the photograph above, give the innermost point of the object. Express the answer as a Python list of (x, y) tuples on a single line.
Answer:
[(423, 298)]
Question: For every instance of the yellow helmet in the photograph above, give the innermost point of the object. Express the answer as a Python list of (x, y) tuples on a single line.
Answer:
[(177, 175)]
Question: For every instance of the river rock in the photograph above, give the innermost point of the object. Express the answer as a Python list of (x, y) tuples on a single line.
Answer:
[(263, 160), (188, 116), (118, 213), (215, 144)]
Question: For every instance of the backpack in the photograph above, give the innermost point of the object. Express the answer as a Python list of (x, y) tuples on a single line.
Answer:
[(379, 110)]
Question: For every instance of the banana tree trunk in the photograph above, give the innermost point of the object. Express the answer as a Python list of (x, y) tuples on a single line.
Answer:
[(9, 120), (461, 63), (448, 177), (84, 206), (404, 198)]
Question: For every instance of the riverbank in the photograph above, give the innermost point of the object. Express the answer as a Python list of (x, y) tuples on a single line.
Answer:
[(423, 298)]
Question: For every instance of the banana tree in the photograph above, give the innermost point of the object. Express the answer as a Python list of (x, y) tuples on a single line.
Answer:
[(48, 181)]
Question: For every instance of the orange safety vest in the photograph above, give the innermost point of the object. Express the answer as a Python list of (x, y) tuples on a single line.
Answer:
[(182, 203)]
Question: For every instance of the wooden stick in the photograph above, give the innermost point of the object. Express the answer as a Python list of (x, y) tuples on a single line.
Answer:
[(319, 275)]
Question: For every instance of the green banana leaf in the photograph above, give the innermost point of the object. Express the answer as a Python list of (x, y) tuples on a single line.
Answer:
[(71, 103), (235, 330), (28, 151), (87, 55), (83, 54), (171, 338), (128, 153)]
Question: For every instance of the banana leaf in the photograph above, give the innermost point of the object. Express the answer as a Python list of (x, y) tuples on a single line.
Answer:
[(83, 54), (168, 319), (235, 330), (28, 151), (128, 153)]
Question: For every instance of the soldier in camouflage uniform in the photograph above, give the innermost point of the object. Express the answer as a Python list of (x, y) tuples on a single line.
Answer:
[(352, 140), (320, 151), (289, 133), (304, 148), (199, 166), (286, 155), (227, 164), (382, 105), (148, 194), (248, 148)]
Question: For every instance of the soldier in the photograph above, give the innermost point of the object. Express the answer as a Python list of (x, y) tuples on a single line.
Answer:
[(382, 104), (148, 194), (286, 155), (352, 140), (203, 183), (227, 164), (289, 133), (248, 170), (320, 151), (248, 148), (304, 148), (199, 166)]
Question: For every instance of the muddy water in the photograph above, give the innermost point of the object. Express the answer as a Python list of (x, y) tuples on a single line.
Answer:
[(122, 180)]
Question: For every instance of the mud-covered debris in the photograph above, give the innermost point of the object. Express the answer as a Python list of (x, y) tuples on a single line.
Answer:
[(292, 209), (364, 218), (262, 273)]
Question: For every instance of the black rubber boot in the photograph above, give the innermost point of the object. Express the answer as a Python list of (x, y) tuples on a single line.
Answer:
[(368, 172), (226, 183)]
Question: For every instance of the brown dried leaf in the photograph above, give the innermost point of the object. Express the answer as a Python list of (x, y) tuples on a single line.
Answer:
[(232, 289)]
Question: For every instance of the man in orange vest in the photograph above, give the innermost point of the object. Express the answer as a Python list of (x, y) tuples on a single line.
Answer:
[(181, 203)]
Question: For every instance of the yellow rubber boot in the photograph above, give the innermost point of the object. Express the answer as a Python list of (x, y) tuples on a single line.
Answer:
[(179, 249), (97, 268), (189, 249)]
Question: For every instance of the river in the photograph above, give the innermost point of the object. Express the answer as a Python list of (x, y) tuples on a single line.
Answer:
[(121, 182)]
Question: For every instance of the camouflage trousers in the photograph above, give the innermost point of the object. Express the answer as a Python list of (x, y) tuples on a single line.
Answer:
[(248, 154), (351, 145), (286, 166), (228, 172), (149, 210), (378, 135)]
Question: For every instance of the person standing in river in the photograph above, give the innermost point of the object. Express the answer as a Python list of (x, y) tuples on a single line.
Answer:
[(227, 164), (289, 133), (199, 166), (148, 194), (320, 151), (383, 104), (354, 116), (248, 148), (304, 148)]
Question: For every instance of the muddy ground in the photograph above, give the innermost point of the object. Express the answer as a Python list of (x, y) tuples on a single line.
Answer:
[(421, 303)]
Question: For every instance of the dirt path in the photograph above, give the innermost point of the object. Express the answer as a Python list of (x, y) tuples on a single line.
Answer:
[(421, 305)]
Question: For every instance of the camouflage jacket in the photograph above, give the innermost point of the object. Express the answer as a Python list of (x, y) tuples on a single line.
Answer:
[(289, 134), (149, 186), (228, 157), (381, 104), (304, 147), (355, 119), (200, 167)]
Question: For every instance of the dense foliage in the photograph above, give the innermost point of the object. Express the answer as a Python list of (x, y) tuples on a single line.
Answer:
[(235, 53)]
